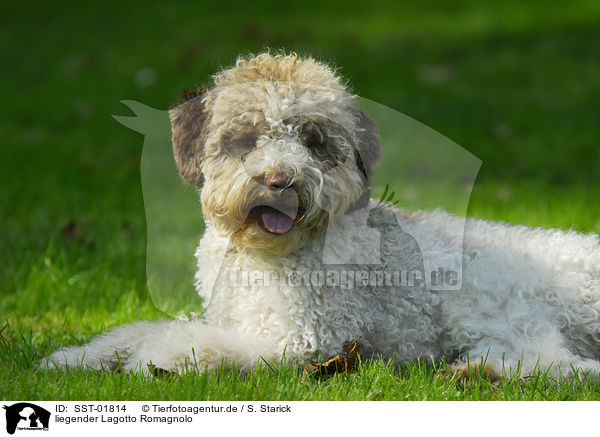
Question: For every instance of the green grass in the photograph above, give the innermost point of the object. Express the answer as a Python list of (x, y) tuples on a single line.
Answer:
[(372, 381), (516, 84)]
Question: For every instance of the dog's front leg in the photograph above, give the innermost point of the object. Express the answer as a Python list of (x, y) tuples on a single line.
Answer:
[(174, 345)]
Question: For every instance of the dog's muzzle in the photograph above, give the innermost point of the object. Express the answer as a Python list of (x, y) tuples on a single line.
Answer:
[(276, 210)]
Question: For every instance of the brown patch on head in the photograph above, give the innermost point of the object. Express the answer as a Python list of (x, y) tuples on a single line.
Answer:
[(187, 123)]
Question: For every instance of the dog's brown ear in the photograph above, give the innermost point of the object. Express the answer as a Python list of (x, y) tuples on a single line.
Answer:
[(366, 153), (188, 121), (368, 145)]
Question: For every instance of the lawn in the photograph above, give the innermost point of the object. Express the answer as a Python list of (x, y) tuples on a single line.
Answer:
[(518, 85)]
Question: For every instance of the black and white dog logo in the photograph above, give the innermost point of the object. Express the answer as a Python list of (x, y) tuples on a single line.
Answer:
[(25, 416)]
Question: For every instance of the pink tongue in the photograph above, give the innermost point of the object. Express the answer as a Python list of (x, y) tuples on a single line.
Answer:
[(275, 221)]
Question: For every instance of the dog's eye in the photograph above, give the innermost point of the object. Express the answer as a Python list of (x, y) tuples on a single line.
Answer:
[(239, 145), (316, 142)]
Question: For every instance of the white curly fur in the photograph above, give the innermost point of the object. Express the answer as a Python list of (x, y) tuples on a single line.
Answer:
[(529, 297)]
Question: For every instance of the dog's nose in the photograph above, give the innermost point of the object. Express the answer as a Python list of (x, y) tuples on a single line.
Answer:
[(277, 182)]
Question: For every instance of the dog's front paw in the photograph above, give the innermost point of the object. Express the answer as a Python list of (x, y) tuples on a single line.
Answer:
[(62, 358), (74, 357)]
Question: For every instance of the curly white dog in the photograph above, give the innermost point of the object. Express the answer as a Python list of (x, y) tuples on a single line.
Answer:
[(281, 156)]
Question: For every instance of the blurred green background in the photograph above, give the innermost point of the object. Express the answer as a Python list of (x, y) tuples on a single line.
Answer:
[(516, 83)]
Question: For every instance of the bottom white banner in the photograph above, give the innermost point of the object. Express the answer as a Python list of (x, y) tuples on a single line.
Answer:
[(128, 418)]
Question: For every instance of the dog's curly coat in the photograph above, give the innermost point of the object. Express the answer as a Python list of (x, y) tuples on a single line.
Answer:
[(280, 154)]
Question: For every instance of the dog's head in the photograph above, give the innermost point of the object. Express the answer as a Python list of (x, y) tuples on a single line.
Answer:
[(277, 148)]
